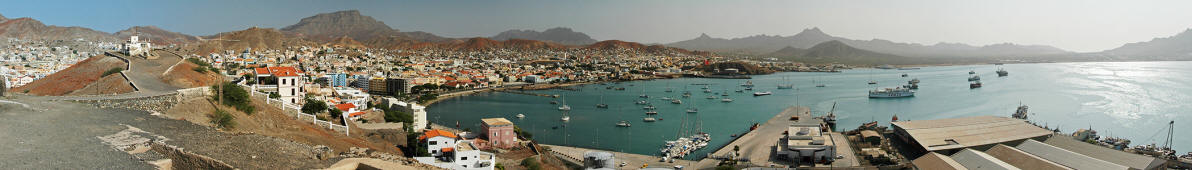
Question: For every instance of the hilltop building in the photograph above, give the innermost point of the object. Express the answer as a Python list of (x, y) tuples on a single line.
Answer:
[(134, 47), (285, 81)]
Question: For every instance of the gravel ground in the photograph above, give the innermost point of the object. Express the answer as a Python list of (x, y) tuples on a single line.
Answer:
[(66, 135)]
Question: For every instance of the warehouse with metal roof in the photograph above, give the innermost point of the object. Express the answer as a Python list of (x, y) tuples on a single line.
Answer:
[(1064, 157), (1018, 158), (973, 159), (1131, 160), (950, 135)]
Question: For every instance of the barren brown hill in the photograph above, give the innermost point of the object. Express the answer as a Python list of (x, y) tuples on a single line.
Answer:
[(111, 84), (156, 35), (330, 26), (72, 78), (31, 29), (255, 38), (184, 76), (632, 46)]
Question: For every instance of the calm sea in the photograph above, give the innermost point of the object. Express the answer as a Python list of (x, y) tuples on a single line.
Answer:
[(1134, 100)]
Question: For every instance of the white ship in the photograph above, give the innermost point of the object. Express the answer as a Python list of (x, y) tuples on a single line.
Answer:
[(891, 93)]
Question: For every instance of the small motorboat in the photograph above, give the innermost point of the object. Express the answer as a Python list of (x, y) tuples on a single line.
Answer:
[(521, 116), (762, 93), (623, 124)]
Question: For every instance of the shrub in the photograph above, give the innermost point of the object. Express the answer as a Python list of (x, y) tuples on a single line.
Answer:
[(398, 116), (334, 112), (530, 163), (200, 69), (236, 96), (196, 61), (114, 70), (222, 119)]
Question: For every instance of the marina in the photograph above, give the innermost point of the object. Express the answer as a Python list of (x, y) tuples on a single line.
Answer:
[(1064, 95)]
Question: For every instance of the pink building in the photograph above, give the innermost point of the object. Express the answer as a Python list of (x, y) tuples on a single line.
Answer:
[(499, 132)]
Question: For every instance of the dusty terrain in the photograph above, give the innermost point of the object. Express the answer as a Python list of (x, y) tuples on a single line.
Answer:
[(270, 121), (72, 78), (111, 84), (184, 76)]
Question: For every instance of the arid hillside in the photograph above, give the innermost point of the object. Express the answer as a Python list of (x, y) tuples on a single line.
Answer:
[(74, 78)]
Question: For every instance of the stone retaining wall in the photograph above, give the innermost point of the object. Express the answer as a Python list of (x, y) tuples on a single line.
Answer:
[(181, 159)]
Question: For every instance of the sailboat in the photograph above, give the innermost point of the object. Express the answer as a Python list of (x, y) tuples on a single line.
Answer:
[(747, 84), (623, 124), (565, 107), (601, 104), (787, 85), (871, 81), (668, 88), (644, 93)]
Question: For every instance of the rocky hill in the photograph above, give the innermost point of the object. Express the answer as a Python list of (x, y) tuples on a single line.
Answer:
[(1178, 47), (559, 35), (763, 44), (329, 26), (30, 29), (255, 38), (156, 35)]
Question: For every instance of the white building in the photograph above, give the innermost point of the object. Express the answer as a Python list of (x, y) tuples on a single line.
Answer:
[(417, 111), (133, 47), (451, 154), (285, 81), (354, 96), (806, 142)]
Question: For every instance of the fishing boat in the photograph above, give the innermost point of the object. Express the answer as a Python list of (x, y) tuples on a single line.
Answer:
[(913, 81), (651, 112), (974, 85), (972, 72), (676, 101), (1001, 72), (891, 93), (692, 110), (687, 95), (1021, 113), (711, 97), (974, 78), (649, 119), (831, 117), (726, 100), (762, 93), (707, 90), (747, 84), (623, 124), (749, 88), (649, 107), (520, 116), (642, 102)]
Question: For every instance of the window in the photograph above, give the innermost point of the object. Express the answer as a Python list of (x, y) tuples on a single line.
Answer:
[(292, 92), (434, 142), (463, 159), (495, 133), (283, 81)]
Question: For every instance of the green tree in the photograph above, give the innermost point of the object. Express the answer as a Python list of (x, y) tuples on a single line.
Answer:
[(313, 106), (235, 96), (335, 112)]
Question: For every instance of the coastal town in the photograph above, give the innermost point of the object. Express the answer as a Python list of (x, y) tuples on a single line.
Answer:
[(309, 97)]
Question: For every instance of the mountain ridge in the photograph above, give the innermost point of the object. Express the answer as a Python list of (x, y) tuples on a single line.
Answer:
[(561, 35), (761, 44)]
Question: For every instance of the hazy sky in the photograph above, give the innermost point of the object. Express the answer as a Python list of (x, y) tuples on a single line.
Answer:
[(1076, 25)]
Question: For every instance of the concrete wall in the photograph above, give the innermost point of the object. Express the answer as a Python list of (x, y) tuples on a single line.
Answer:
[(181, 159)]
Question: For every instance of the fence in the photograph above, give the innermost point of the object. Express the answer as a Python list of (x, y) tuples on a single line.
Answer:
[(294, 110)]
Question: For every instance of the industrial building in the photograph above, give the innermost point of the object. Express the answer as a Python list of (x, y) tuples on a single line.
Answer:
[(947, 136), (807, 140)]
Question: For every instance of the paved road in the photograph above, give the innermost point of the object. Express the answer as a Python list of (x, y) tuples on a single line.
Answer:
[(145, 74)]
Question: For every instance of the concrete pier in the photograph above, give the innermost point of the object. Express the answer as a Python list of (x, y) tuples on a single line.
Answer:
[(633, 161), (758, 145)]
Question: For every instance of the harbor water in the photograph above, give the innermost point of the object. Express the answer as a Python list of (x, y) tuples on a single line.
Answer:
[(1134, 100)]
